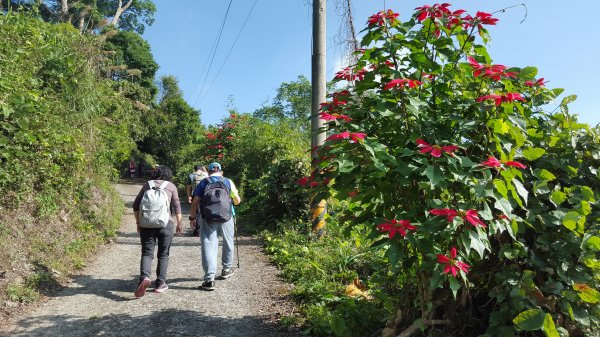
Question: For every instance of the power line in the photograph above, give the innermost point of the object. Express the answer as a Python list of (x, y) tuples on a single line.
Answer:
[(230, 50), (214, 52)]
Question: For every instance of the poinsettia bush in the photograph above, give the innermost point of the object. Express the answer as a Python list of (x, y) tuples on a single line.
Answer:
[(482, 198)]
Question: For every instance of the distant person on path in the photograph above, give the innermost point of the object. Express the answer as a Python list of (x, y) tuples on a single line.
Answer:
[(132, 168), (140, 170), (153, 231), (214, 196), (193, 180)]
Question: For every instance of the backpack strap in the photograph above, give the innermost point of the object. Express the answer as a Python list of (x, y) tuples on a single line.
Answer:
[(163, 185), (151, 184)]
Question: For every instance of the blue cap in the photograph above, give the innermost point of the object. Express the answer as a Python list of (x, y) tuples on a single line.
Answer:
[(214, 167)]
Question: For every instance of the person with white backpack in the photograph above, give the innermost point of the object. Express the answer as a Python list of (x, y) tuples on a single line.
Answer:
[(154, 208)]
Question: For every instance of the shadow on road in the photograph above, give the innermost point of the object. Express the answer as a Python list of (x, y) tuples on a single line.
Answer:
[(150, 321)]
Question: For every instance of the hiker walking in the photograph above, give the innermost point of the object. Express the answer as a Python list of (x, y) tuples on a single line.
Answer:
[(140, 168), (193, 180), (214, 196), (132, 168), (154, 207)]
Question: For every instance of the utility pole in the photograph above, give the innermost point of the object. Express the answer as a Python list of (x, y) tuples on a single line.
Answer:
[(318, 80), (319, 60)]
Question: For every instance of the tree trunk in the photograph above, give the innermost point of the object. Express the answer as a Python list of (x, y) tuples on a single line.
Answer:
[(64, 10), (120, 10)]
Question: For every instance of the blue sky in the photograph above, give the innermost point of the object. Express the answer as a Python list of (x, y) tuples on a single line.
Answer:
[(558, 37)]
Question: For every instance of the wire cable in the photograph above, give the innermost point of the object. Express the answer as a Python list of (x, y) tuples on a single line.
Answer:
[(214, 52), (229, 53)]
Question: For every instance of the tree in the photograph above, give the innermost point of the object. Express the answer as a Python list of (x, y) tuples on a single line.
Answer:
[(91, 15), (173, 127), (291, 103), (133, 52)]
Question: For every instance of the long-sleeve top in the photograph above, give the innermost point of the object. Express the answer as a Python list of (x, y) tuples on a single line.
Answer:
[(171, 192)]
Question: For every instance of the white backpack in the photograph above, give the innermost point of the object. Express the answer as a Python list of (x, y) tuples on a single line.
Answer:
[(155, 206)]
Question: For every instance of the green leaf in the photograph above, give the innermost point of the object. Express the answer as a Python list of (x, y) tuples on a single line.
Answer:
[(568, 99), (521, 190), (587, 293), (530, 320), (586, 208), (587, 193), (346, 165), (434, 174), (544, 175), (528, 73), (549, 327), (594, 243), (477, 244), (574, 221), (533, 153), (558, 197), (501, 127), (501, 188), (454, 285), (394, 252), (514, 229), (504, 206)]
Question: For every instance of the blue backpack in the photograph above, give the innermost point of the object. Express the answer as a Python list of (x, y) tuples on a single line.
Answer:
[(215, 202)]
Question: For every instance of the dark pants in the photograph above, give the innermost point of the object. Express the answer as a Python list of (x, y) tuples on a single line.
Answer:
[(149, 237)]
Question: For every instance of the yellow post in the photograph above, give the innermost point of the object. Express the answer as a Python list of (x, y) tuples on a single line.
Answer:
[(318, 214)]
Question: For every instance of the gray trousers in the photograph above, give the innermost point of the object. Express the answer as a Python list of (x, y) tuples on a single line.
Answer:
[(209, 236)]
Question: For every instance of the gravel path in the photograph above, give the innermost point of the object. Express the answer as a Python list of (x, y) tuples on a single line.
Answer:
[(100, 302)]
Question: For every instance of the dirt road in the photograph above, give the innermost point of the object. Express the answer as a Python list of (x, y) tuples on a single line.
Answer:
[(100, 302)]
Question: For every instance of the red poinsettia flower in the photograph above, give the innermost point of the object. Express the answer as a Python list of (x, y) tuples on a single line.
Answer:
[(380, 18), (313, 184), (499, 99), (350, 74), (539, 83), (396, 226), (512, 96), (481, 18), (333, 116), (352, 194), (470, 216), (353, 136), (303, 181), (455, 19), (435, 11), (436, 150), (493, 162), (453, 265), (515, 164), (401, 83), (494, 71), (210, 135)]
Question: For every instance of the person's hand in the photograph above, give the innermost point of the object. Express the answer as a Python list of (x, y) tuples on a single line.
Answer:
[(139, 228), (179, 228), (189, 200), (193, 224)]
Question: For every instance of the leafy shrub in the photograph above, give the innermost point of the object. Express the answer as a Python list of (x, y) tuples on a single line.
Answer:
[(320, 270), (486, 200)]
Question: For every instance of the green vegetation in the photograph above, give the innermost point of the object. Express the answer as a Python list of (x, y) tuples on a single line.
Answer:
[(458, 206), (484, 203), (62, 131)]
